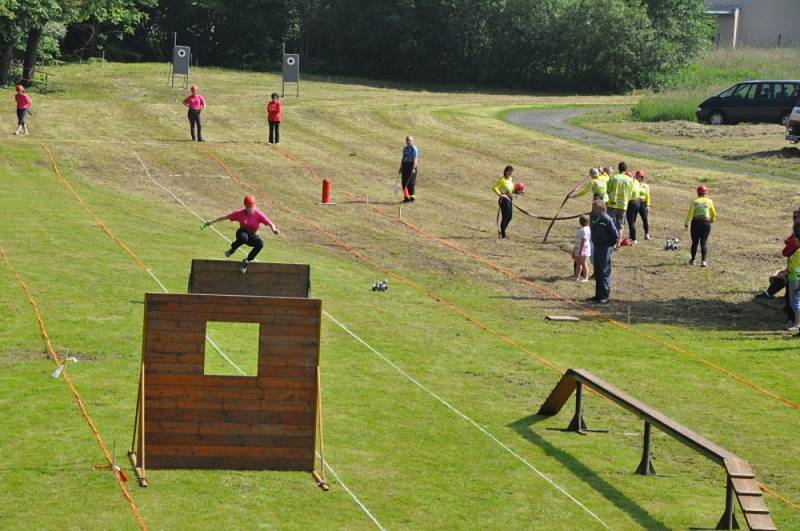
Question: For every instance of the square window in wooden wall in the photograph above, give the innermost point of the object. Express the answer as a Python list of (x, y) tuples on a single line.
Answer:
[(231, 349)]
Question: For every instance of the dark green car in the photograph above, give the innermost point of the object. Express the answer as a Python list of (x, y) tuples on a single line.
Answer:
[(751, 101)]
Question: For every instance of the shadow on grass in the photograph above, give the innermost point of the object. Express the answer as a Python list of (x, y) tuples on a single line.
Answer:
[(748, 315), (524, 427), (785, 153)]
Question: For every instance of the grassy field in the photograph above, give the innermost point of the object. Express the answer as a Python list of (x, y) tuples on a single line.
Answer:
[(429, 389), (718, 70)]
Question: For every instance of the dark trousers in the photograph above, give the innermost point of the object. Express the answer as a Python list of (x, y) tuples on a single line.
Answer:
[(244, 237), (602, 271), (21, 114), (700, 230), (506, 210), (194, 122), (274, 132), (636, 208), (776, 284), (409, 179)]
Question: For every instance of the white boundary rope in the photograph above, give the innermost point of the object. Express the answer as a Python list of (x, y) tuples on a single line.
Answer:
[(327, 464), (468, 419)]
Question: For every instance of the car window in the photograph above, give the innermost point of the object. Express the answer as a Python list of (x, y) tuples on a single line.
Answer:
[(765, 91), (745, 91), (727, 93), (786, 90)]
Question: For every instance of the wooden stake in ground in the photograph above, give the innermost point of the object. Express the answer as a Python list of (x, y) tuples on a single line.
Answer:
[(319, 477), (564, 202)]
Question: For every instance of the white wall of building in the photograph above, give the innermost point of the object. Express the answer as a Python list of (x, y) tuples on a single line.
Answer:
[(761, 23)]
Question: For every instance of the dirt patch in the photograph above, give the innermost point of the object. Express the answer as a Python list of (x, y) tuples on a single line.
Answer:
[(12, 357)]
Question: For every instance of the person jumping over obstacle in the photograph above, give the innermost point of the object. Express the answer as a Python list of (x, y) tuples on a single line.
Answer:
[(504, 188), (23, 108), (639, 205), (408, 169), (250, 219), (196, 103), (701, 215)]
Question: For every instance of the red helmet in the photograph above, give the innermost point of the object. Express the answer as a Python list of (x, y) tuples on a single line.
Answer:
[(702, 189), (519, 188), (20, 88), (249, 201), (641, 173)]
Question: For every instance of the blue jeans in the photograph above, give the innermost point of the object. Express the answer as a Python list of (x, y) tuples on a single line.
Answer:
[(602, 271), (794, 297)]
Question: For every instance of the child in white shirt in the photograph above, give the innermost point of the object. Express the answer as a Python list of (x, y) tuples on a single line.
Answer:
[(582, 251)]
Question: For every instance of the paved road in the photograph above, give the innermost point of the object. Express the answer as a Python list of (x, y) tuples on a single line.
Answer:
[(554, 122)]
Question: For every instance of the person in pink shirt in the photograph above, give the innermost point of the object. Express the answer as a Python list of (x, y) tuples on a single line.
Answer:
[(250, 219), (274, 118), (196, 104), (23, 108)]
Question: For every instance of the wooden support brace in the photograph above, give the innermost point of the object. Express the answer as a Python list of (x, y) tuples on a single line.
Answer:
[(728, 520), (645, 466)]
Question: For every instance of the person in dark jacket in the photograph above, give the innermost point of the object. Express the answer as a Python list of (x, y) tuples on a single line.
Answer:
[(604, 236)]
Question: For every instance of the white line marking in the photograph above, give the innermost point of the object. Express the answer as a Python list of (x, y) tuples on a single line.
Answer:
[(350, 492), (326, 463), (211, 342), (465, 417)]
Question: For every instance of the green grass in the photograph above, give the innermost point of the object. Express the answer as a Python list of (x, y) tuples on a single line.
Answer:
[(413, 461), (718, 70)]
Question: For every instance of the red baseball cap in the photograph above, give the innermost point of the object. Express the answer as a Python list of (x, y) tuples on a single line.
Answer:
[(249, 201)]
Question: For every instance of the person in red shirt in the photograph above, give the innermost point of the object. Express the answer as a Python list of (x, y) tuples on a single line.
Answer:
[(23, 108), (274, 118), (250, 219), (196, 104)]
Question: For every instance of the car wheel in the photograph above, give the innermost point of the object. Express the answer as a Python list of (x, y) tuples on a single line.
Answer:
[(716, 118), (785, 118)]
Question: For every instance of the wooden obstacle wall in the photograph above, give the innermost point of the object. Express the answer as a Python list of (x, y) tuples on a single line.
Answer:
[(196, 421), (262, 279)]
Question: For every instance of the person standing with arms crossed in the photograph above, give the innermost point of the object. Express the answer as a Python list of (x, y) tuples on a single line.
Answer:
[(274, 118), (701, 215), (250, 219), (408, 169), (604, 235), (23, 108), (196, 103)]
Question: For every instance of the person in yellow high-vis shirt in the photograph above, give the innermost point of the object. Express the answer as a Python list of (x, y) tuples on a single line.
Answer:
[(701, 215), (639, 205), (504, 188), (793, 289), (597, 184), (620, 188)]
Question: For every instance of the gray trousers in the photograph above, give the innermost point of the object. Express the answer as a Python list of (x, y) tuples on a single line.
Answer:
[(618, 215)]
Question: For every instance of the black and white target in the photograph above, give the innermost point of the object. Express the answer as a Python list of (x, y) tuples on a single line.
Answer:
[(181, 55), (291, 67)]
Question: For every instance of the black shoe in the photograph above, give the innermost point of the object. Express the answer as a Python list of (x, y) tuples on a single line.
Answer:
[(406, 200), (591, 299), (200, 140), (229, 252), (245, 263), (411, 199)]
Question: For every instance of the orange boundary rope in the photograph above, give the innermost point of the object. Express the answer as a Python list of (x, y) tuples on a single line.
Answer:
[(72, 388), (558, 295), (512, 275)]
